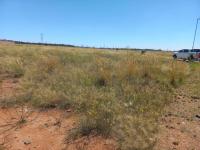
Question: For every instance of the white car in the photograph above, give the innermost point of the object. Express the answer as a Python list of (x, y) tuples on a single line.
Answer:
[(184, 54)]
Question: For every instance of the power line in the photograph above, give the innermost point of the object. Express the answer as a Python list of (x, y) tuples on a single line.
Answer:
[(195, 33)]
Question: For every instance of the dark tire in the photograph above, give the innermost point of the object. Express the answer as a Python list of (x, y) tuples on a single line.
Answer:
[(191, 58)]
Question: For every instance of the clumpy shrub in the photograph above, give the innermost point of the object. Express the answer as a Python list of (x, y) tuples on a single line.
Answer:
[(99, 111), (136, 132), (193, 86), (16, 69), (178, 73), (103, 72)]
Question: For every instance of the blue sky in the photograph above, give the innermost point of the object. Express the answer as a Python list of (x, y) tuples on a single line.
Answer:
[(166, 24)]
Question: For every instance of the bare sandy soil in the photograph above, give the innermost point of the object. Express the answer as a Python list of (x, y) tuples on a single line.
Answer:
[(24, 128), (180, 126)]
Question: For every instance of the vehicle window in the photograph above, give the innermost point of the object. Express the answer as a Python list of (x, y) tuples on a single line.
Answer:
[(196, 50), (186, 50), (181, 51)]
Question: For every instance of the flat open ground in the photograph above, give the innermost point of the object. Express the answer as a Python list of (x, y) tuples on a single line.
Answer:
[(71, 98)]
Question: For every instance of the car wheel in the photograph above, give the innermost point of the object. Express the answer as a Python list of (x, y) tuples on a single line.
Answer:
[(191, 58)]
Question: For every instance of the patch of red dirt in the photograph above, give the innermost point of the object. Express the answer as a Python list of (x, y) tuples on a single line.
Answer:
[(38, 130), (8, 87), (44, 131), (180, 128)]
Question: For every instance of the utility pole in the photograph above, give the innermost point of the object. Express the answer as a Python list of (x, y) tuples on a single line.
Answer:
[(195, 33)]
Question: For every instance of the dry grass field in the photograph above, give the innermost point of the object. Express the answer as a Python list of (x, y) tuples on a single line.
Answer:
[(78, 98)]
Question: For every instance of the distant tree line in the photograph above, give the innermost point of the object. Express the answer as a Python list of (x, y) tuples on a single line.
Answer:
[(68, 45), (37, 43), (45, 44)]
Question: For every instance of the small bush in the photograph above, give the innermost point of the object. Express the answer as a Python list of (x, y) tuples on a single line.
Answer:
[(99, 112), (177, 73), (136, 133)]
